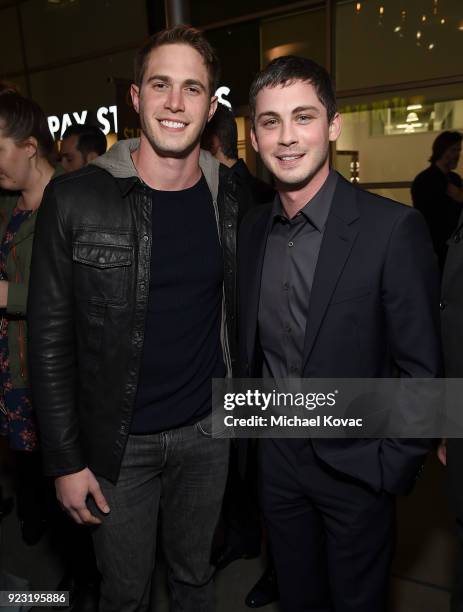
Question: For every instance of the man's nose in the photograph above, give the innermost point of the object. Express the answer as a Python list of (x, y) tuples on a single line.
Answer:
[(175, 101), (288, 135)]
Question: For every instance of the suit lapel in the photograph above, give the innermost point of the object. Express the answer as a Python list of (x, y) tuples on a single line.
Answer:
[(340, 234), (256, 253)]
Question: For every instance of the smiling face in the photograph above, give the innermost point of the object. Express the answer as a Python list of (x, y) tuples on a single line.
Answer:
[(174, 100), (292, 134)]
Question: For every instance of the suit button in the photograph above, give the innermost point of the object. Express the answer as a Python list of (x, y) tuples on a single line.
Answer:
[(456, 238), (145, 238), (442, 305)]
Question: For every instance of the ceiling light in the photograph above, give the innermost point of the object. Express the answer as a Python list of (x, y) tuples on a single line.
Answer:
[(412, 107), (412, 117)]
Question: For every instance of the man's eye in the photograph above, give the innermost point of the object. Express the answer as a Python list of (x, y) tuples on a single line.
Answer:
[(193, 90), (304, 118), (269, 123), (160, 86)]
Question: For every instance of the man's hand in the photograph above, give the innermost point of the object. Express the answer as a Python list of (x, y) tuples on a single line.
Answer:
[(442, 451), (456, 193), (72, 491)]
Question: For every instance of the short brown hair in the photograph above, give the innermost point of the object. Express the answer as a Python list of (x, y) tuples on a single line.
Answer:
[(184, 35), (21, 118), (288, 69)]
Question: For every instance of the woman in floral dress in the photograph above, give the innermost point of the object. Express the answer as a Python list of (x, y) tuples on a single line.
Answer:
[(25, 170)]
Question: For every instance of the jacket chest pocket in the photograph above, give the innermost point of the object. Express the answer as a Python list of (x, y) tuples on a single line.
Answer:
[(101, 271)]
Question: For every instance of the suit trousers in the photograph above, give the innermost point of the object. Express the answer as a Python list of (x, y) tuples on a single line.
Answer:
[(332, 536), (179, 474)]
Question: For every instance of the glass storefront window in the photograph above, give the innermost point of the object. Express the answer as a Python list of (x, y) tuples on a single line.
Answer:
[(397, 41), (299, 34), (385, 158)]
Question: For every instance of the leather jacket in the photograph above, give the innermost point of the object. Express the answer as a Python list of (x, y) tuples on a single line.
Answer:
[(87, 305)]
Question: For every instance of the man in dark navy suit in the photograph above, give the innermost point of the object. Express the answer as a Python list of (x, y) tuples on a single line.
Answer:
[(335, 283)]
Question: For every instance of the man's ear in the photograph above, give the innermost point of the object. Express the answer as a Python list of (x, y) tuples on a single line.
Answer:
[(31, 145), (334, 128), (212, 107), (135, 95), (254, 142)]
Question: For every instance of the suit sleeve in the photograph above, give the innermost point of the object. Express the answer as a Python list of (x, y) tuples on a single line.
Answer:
[(410, 296), (52, 351)]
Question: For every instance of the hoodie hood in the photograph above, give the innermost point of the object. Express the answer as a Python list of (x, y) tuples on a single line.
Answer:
[(118, 162)]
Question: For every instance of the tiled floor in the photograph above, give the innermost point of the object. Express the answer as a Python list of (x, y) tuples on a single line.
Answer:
[(422, 568)]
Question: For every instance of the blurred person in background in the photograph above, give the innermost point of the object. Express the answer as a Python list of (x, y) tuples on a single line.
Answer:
[(220, 137), (437, 191), (80, 145), (242, 530), (26, 148), (25, 170)]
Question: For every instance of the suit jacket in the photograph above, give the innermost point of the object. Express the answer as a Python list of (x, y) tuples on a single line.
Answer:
[(373, 313), (452, 304)]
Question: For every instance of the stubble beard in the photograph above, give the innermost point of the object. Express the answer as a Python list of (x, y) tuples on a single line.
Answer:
[(166, 151), (297, 184)]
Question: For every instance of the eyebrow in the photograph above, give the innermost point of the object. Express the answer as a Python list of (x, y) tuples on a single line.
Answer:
[(301, 109), (167, 79), (298, 109)]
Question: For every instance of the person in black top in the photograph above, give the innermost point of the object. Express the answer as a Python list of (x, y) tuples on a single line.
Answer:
[(240, 512), (333, 282), (220, 137), (132, 313), (437, 191)]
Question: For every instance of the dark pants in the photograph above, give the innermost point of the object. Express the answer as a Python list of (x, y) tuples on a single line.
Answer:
[(182, 474), (332, 537), (241, 512), (455, 490)]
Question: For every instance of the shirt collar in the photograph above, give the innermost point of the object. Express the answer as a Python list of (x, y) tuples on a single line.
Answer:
[(317, 209)]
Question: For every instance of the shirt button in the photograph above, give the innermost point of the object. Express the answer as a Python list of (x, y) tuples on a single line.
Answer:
[(291, 243), (101, 260)]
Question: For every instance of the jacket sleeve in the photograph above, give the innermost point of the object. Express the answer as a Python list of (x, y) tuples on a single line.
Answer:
[(410, 297), (52, 351), (17, 298)]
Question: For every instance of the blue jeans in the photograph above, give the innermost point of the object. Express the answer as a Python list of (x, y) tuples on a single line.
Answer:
[(179, 474)]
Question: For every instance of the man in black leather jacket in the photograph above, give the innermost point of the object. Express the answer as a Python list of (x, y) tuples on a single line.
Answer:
[(132, 312)]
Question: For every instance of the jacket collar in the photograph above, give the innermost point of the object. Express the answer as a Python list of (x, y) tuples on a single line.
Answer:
[(118, 162)]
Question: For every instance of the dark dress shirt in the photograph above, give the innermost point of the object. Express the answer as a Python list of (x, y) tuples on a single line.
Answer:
[(288, 271)]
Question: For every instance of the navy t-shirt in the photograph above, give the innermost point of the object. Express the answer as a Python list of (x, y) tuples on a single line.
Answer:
[(182, 349)]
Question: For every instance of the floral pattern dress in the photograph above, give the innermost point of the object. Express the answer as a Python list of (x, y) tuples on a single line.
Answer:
[(17, 420)]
